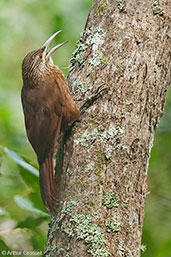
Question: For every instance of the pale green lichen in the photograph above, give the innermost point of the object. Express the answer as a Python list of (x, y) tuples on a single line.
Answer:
[(124, 205), (67, 229), (95, 60), (122, 251), (89, 166), (95, 29), (111, 132), (67, 248), (108, 152), (110, 136), (121, 5), (156, 8), (53, 229), (97, 40), (90, 37), (82, 87), (121, 147), (59, 250), (87, 137), (77, 55), (112, 226), (81, 227), (110, 200)]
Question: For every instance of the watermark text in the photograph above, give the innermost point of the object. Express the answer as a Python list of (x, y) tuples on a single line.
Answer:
[(21, 253)]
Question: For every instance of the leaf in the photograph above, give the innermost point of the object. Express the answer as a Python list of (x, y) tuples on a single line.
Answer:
[(28, 205), (31, 180), (20, 161), (38, 239), (35, 198), (4, 248), (31, 177), (31, 222)]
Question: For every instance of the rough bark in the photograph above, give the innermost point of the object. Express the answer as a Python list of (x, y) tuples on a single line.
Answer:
[(121, 69)]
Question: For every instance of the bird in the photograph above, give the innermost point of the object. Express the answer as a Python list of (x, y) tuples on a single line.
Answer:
[(48, 111)]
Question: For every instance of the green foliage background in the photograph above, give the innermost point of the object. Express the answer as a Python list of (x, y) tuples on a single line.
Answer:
[(25, 25)]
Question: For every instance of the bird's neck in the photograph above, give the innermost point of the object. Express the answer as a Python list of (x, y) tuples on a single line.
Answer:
[(37, 77)]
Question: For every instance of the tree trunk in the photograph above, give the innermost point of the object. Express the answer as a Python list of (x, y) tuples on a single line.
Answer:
[(121, 71)]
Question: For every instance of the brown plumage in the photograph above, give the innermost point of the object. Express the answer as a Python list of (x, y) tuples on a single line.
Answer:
[(48, 110)]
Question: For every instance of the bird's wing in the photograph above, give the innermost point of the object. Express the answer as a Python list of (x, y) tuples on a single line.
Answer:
[(43, 134), (43, 122)]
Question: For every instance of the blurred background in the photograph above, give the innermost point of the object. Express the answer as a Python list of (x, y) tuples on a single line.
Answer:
[(24, 26)]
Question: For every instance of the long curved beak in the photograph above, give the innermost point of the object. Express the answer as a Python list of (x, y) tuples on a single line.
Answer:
[(48, 42)]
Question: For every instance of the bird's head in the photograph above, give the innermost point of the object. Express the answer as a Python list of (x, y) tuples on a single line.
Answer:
[(37, 61)]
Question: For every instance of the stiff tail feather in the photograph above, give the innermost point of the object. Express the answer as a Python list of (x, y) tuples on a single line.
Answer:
[(48, 185)]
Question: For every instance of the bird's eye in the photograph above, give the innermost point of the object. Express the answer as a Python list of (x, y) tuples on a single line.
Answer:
[(40, 56)]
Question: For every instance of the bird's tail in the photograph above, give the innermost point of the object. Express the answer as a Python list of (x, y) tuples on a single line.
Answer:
[(48, 185)]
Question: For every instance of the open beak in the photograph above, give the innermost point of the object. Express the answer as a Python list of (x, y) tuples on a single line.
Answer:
[(48, 42)]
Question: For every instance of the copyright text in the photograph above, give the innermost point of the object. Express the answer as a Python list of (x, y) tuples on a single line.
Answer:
[(21, 253)]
